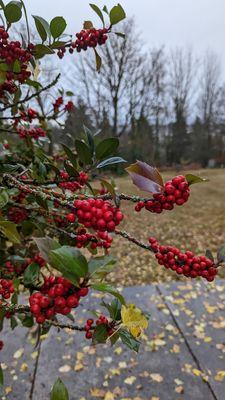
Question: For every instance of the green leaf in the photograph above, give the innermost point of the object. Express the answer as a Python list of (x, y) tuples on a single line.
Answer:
[(98, 12), (4, 197), (27, 321), (34, 84), (70, 262), (106, 288), (45, 245), (13, 11), (41, 201), (57, 26), (129, 340), (1, 377), (70, 169), (105, 9), (31, 274), (110, 161), (101, 266), (59, 391), (13, 323), (83, 151), (106, 147), (43, 27), (100, 334), (195, 179), (117, 14), (120, 34), (71, 156), (114, 309), (90, 139), (9, 229), (41, 50), (57, 44), (209, 255), (221, 254), (16, 67), (98, 61), (4, 67)]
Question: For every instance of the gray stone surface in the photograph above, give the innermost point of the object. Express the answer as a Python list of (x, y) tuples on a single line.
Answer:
[(182, 349)]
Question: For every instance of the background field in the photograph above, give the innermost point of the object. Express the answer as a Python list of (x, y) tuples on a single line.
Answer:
[(197, 226)]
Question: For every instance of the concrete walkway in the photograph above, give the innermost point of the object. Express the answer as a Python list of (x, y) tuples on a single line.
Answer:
[(182, 355)]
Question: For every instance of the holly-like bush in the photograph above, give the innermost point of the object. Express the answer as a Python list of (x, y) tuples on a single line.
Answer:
[(58, 216)]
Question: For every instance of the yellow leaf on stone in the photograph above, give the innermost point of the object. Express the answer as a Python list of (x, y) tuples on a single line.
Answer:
[(156, 377), (65, 368), (34, 355), (118, 351), (24, 367), (99, 393), (8, 389), (130, 380), (179, 389), (176, 348), (133, 319), (197, 372), (18, 353), (220, 376), (109, 396), (78, 366)]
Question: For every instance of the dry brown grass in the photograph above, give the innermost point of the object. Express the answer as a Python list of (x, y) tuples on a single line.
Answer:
[(197, 226)]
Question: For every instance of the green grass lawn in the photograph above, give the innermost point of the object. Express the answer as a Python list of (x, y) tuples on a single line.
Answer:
[(196, 226)]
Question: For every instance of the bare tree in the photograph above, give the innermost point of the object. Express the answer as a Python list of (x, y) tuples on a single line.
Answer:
[(182, 72), (122, 89)]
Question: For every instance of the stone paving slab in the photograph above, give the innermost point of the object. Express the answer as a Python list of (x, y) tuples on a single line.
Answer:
[(18, 361), (200, 315), (172, 363)]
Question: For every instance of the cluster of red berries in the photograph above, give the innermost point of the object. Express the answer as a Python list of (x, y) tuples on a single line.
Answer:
[(176, 191), (69, 106), (90, 38), (183, 263), (74, 185), (17, 269), (57, 104), (101, 320), (11, 52), (98, 214), (86, 38), (56, 295), (17, 214), (6, 288), (28, 115), (100, 239), (1, 345), (34, 133)]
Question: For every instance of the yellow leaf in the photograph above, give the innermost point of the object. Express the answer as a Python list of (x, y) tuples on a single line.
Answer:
[(156, 377), (65, 368), (8, 389), (197, 372), (220, 376), (109, 396), (24, 367), (79, 366), (18, 353), (118, 351), (133, 319), (99, 393), (130, 380)]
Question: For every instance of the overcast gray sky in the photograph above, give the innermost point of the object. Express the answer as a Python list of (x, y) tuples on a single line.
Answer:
[(196, 23)]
